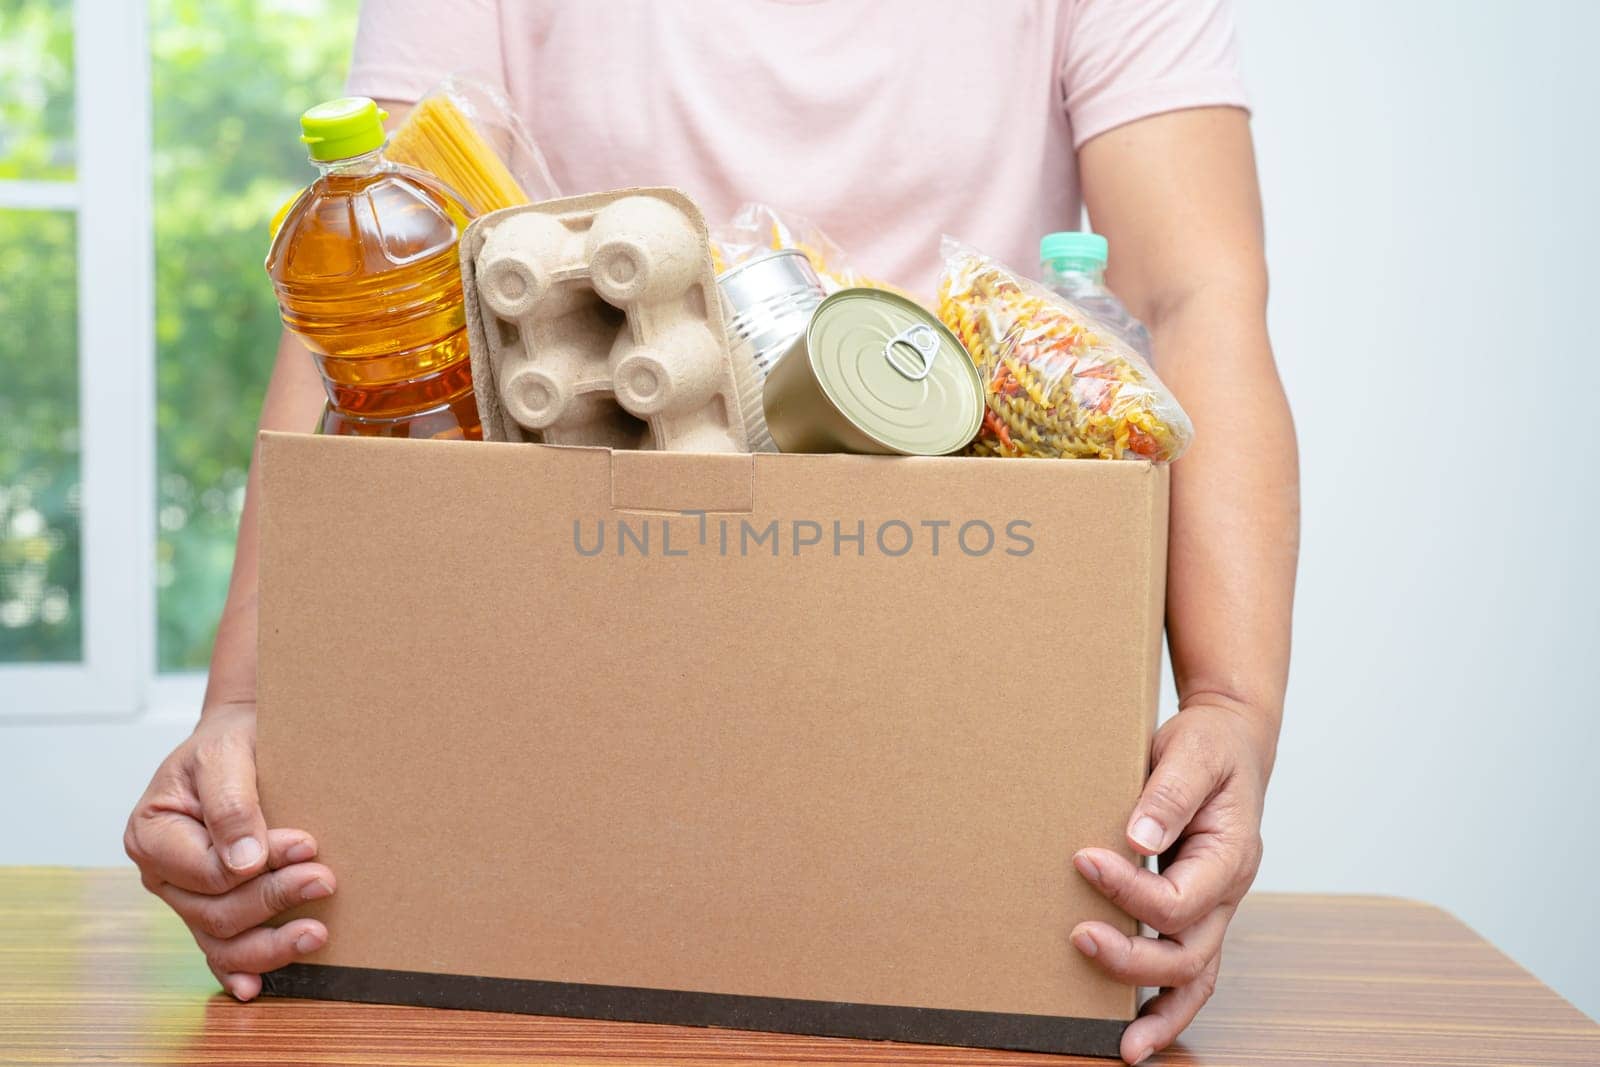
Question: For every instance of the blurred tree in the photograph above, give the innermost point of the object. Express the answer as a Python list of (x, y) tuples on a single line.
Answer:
[(39, 546), (39, 601), (36, 106), (229, 78)]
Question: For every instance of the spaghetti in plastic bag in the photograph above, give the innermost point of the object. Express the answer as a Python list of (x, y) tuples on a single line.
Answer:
[(1057, 385), (467, 134), (757, 229)]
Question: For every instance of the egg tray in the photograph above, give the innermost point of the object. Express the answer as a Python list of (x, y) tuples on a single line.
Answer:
[(595, 320)]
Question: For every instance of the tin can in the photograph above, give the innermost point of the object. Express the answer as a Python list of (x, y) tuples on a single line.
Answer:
[(874, 373), (766, 303)]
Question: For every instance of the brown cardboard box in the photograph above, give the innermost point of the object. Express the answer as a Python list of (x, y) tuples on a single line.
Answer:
[(738, 767)]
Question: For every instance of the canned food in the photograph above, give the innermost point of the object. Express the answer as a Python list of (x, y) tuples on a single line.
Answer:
[(767, 302), (875, 373)]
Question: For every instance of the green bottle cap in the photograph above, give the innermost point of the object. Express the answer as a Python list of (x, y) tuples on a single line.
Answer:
[(1077, 246), (343, 128)]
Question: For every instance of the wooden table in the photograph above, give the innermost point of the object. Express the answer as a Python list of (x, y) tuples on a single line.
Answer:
[(94, 970)]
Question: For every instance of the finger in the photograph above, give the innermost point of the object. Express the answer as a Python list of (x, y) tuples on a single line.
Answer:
[(1166, 1016), (241, 986), (1164, 901), (1146, 961), (225, 781), (288, 846), (172, 847), (266, 948), (252, 903), (1184, 778)]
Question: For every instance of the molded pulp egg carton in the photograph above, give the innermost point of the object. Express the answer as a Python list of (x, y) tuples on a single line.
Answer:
[(595, 320)]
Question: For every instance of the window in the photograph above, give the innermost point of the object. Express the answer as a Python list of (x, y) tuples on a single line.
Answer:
[(143, 151), (229, 80), (40, 588)]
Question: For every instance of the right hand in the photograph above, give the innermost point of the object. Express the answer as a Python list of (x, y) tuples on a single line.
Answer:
[(202, 846)]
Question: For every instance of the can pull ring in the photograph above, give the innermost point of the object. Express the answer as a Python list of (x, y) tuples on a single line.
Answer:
[(923, 345)]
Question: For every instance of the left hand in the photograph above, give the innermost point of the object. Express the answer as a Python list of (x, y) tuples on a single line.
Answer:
[(1202, 802)]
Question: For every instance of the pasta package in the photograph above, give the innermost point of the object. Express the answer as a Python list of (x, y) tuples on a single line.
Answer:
[(1056, 384), (757, 229), (466, 133)]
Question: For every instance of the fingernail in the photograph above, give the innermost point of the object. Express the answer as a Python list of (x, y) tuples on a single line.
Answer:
[(309, 941), (299, 852), (1146, 1054), (244, 853), (1086, 867), (1147, 833), (1084, 943), (316, 890)]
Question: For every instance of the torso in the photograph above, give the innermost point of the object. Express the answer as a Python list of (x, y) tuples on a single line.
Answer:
[(908, 119)]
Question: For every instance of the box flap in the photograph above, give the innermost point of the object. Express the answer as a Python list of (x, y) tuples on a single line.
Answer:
[(679, 481)]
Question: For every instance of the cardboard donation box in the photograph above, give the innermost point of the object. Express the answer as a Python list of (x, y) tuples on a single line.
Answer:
[(777, 742)]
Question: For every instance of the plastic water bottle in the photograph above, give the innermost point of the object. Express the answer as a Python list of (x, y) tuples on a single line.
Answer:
[(1073, 263)]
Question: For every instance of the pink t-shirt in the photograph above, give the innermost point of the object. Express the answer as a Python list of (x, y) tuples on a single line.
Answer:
[(885, 123)]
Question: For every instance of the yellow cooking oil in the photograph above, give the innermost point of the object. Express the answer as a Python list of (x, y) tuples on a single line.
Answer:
[(366, 273)]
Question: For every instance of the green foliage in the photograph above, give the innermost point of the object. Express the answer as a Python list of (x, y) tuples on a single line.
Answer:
[(230, 78), (36, 89), (39, 545)]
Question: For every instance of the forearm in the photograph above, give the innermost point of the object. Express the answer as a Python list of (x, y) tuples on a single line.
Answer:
[(1176, 194), (1234, 532), (293, 402)]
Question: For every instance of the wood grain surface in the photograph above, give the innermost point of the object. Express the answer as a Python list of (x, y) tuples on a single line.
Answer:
[(92, 970)]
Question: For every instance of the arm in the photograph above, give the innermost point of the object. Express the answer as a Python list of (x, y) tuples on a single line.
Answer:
[(1176, 196), (293, 403), (197, 834)]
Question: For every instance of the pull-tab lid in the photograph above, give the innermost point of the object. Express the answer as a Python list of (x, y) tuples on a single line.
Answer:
[(343, 128), (894, 370)]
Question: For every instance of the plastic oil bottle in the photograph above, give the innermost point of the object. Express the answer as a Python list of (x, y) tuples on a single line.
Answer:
[(366, 272), (1073, 263)]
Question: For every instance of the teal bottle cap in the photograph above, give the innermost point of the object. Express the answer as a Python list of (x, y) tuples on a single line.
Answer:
[(1077, 245)]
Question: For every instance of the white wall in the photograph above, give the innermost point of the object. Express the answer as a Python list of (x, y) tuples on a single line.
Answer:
[(1429, 175), (1428, 170)]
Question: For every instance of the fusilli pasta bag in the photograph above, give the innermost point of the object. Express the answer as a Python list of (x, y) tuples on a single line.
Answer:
[(1057, 385)]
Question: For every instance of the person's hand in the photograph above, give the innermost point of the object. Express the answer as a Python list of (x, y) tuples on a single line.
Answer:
[(201, 845), (1204, 796)]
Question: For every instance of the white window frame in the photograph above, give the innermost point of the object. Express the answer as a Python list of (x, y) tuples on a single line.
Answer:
[(111, 196)]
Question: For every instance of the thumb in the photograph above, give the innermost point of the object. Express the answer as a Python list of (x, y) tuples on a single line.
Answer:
[(225, 782), (1182, 780)]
